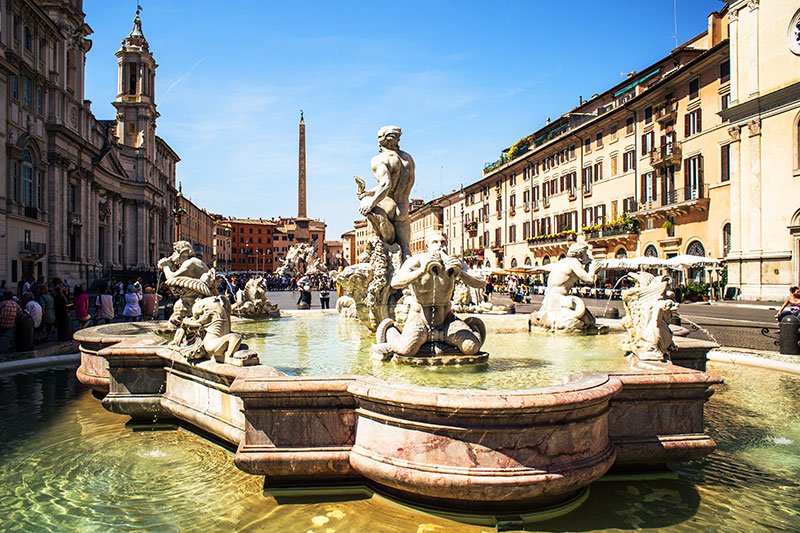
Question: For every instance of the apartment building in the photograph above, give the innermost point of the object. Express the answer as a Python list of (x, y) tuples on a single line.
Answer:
[(641, 169), (252, 244), (424, 219), (195, 225)]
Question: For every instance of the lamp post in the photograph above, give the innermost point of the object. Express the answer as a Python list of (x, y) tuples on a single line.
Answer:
[(178, 212)]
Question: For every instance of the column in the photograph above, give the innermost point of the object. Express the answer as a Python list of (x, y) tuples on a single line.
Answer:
[(753, 190), (735, 190), (141, 234)]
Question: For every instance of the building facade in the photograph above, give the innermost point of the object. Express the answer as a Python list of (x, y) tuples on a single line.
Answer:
[(195, 225), (251, 244), (763, 123), (82, 197), (222, 243), (424, 219), (349, 247)]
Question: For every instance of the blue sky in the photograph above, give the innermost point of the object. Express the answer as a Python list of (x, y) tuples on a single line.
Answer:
[(462, 79)]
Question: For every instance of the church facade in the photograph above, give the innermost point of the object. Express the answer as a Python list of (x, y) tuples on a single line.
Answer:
[(81, 197)]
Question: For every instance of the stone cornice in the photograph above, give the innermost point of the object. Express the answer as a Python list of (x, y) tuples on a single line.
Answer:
[(761, 104)]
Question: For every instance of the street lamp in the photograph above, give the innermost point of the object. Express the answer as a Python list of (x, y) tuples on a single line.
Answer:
[(178, 212)]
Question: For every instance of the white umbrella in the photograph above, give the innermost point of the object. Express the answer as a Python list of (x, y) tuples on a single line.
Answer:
[(691, 261), (632, 263)]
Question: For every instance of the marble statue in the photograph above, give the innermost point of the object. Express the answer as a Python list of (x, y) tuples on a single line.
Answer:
[(430, 327), (210, 325), (189, 279), (648, 314), (386, 206), (252, 301), (301, 259), (468, 300), (559, 311), (201, 317), (346, 307)]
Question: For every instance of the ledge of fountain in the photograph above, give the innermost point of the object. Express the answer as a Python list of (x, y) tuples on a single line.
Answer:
[(508, 449)]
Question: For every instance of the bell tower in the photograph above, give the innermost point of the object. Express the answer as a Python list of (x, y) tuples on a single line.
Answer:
[(136, 90)]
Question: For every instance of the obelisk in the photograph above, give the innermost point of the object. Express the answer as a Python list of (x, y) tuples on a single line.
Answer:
[(301, 172)]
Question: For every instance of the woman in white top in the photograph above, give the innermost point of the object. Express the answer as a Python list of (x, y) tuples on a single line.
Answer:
[(105, 307), (132, 311)]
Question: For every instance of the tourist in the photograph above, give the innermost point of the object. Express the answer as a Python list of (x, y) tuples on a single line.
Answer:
[(48, 310), (791, 305), (9, 312), (61, 310), (105, 306), (150, 304), (132, 311), (33, 308), (488, 290), (82, 307), (324, 295)]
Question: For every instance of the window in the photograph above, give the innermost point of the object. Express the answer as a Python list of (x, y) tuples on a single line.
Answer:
[(16, 28), (27, 179), (72, 198), (512, 201), (694, 89), (571, 152), (648, 115), (629, 125), (694, 178), (724, 71), (587, 179), (26, 92), (726, 239), (15, 87), (650, 251), (648, 187), (648, 142), (725, 162), (614, 165), (598, 171), (512, 180), (725, 101), (27, 38), (587, 145), (599, 139), (693, 122), (614, 132), (39, 100), (628, 161), (512, 233), (526, 230)]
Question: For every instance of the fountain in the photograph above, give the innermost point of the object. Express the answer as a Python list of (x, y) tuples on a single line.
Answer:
[(515, 445), (559, 311)]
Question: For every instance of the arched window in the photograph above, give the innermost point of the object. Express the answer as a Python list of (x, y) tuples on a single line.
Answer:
[(696, 248), (650, 251), (488, 264), (528, 261), (546, 260), (27, 178), (622, 252), (562, 256), (726, 239), (514, 263)]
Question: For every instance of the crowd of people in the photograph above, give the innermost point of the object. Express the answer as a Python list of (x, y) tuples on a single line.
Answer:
[(42, 311)]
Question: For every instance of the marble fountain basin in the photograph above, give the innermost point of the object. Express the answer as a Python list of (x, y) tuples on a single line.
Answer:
[(489, 451)]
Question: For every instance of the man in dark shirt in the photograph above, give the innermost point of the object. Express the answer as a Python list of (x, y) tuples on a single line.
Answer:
[(9, 312)]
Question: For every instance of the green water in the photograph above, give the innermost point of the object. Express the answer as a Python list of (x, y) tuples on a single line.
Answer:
[(316, 345), (68, 465)]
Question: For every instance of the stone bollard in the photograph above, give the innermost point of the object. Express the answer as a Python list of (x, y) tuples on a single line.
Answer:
[(612, 312), (790, 335)]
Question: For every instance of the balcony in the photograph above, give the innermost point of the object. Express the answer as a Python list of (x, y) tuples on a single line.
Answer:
[(37, 249), (676, 202), (552, 240), (610, 236), (667, 155), (665, 111)]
